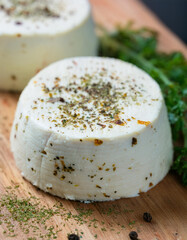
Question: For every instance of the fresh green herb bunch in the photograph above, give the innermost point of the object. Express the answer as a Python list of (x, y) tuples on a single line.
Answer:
[(169, 70)]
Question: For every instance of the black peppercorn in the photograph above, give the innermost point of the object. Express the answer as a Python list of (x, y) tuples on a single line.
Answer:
[(133, 235), (147, 217), (73, 237)]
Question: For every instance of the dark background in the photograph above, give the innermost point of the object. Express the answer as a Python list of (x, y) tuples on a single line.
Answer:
[(173, 13)]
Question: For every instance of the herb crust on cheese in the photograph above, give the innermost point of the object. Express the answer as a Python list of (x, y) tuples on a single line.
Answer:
[(34, 34), (93, 129)]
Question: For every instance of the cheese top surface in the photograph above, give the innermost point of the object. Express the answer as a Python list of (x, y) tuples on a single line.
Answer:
[(42, 16), (92, 97)]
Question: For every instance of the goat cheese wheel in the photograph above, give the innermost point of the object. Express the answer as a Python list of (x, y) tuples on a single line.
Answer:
[(92, 128), (34, 34)]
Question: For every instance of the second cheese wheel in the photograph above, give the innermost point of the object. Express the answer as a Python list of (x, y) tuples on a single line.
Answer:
[(34, 34), (92, 129)]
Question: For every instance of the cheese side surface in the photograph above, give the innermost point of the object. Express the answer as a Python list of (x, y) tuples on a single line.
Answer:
[(92, 128), (34, 34)]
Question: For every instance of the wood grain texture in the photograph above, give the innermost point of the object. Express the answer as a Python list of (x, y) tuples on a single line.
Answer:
[(167, 202)]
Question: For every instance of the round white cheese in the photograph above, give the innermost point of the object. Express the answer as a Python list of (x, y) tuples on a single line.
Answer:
[(34, 34), (92, 128)]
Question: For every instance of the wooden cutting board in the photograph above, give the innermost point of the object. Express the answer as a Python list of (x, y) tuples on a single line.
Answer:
[(167, 202)]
